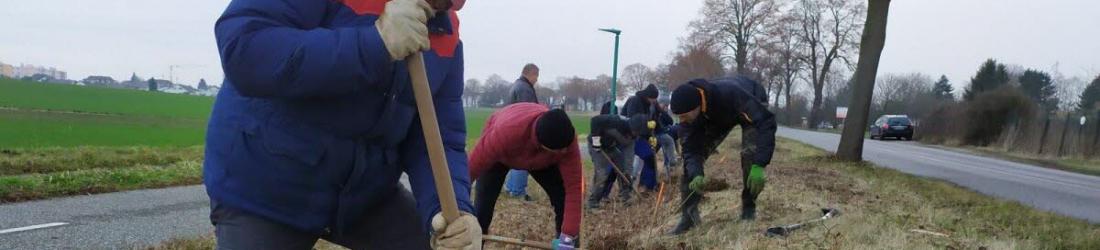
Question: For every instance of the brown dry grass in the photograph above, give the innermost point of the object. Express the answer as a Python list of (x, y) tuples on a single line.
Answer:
[(880, 209)]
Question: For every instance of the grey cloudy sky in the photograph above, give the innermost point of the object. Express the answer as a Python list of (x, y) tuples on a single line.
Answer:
[(952, 37)]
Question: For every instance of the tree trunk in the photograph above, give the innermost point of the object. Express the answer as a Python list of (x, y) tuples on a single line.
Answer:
[(815, 109), (741, 57), (874, 39)]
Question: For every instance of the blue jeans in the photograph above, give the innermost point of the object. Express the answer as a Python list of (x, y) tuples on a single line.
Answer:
[(648, 174), (668, 150), (517, 183)]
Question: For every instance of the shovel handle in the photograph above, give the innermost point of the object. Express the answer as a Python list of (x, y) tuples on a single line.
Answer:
[(430, 124), (517, 242)]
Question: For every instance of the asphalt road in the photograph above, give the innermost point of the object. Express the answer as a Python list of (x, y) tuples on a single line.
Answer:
[(120, 220), (1071, 194)]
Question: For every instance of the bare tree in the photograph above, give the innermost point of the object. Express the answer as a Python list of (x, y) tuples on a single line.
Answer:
[(470, 92), (874, 39), (896, 88), (659, 76), (783, 48), (737, 25), (634, 77), (494, 91), (827, 30), (697, 57)]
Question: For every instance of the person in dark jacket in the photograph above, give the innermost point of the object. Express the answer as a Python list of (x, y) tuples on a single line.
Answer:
[(639, 110), (708, 111), (531, 137), (316, 122), (610, 136), (523, 90), (666, 142)]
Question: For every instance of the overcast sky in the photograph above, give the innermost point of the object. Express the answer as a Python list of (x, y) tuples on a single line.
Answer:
[(117, 37)]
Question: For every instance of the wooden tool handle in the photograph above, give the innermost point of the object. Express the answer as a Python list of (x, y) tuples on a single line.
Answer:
[(426, 108), (517, 242)]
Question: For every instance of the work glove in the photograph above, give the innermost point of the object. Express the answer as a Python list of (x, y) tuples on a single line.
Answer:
[(651, 124), (697, 184), (402, 27), (756, 179), (652, 141), (564, 242), (464, 233)]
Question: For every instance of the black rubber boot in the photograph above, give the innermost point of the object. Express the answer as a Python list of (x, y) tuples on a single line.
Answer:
[(689, 216), (748, 213)]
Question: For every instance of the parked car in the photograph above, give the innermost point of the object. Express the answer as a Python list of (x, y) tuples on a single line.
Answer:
[(896, 126)]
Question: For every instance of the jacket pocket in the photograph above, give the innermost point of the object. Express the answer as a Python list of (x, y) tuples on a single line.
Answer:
[(293, 141)]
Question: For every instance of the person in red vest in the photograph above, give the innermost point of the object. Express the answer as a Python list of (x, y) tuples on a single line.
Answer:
[(529, 136)]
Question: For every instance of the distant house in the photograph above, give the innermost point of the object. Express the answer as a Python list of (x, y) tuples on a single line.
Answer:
[(106, 81), (7, 70), (135, 82)]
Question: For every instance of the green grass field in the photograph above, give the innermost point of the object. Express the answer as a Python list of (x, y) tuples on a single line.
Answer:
[(38, 96), (58, 140), (52, 115)]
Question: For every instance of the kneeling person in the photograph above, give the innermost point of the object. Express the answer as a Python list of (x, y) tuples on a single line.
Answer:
[(708, 111), (610, 137), (530, 137)]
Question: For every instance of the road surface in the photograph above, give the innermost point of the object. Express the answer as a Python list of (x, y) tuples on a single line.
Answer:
[(1071, 194), (108, 221)]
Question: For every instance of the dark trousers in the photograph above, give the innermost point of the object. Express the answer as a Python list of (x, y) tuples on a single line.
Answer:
[(487, 189), (748, 200), (748, 150), (390, 224), (604, 174)]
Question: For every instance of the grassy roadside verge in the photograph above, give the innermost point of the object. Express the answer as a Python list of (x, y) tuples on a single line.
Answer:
[(14, 188), (56, 159), (39, 173)]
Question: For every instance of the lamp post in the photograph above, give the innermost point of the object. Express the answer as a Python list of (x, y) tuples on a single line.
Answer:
[(614, 67)]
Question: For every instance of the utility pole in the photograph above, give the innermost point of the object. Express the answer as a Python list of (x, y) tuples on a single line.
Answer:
[(614, 69)]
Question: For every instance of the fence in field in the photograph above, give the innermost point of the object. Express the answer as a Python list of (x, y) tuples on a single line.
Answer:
[(1055, 135)]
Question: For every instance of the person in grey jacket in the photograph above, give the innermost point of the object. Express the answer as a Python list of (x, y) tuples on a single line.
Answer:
[(522, 91)]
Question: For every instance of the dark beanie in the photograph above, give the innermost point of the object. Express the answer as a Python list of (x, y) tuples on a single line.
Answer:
[(554, 130), (606, 108), (685, 98), (650, 91)]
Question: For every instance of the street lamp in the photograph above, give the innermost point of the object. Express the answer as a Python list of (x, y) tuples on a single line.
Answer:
[(614, 67)]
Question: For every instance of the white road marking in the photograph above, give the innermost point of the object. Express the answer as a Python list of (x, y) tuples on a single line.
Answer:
[(27, 228)]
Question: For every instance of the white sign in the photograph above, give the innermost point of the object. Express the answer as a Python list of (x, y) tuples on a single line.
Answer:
[(841, 112), (1082, 120)]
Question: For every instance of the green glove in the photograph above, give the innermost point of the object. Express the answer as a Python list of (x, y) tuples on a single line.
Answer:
[(697, 184), (756, 179)]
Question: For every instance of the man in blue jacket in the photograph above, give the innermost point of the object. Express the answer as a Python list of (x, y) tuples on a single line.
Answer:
[(316, 122), (708, 111)]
